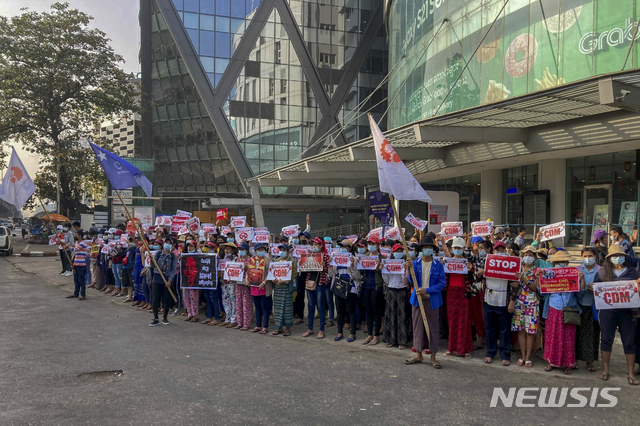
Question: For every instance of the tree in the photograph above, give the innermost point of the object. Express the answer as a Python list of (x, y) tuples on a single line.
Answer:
[(58, 77)]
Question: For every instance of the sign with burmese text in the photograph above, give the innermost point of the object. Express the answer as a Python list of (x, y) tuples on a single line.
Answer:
[(451, 229), (481, 229), (234, 271), (341, 259), (279, 271), (198, 271), (310, 262), (454, 266), (559, 280), (553, 231), (616, 295), (393, 266), (367, 263), (502, 267)]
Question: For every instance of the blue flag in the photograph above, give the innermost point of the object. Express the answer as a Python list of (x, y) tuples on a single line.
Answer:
[(121, 173)]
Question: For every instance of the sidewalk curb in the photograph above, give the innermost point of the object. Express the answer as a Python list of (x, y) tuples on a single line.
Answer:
[(36, 254)]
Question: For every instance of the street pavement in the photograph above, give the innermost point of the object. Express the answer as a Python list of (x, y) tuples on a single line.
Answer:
[(58, 355)]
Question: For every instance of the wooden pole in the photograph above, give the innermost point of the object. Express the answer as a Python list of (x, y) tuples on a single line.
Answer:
[(146, 246), (64, 249), (411, 271)]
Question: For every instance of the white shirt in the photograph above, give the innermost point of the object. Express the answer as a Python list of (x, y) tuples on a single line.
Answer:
[(426, 273), (396, 281)]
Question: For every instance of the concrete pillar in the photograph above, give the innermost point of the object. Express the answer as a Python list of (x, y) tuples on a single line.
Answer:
[(552, 175), (491, 195), (257, 205)]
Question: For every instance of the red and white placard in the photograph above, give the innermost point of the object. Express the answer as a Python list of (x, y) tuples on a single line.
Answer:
[(553, 231), (481, 229), (238, 221), (368, 263), (451, 229), (234, 271), (393, 266), (415, 222), (340, 259), (290, 231), (454, 266), (279, 271), (502, 267)]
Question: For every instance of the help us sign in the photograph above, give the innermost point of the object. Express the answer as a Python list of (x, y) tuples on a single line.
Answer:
[(451, 229), (502, 267)]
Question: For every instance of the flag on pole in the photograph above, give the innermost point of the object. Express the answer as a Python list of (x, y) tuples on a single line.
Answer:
[(394, 177), (17, 185), (120, 172)]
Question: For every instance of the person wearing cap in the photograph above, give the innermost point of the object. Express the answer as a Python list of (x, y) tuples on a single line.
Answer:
[(315, 286), (525, 306), (617, 268), (244, 303), (282, 294), (350, 304), (79, 271), (228, 253), (560, 338), (497, 318), (431, 281), (373, 294), (599, 244), (618, 237), (396, 318), (458, 303), (261, 289), (588, 332)]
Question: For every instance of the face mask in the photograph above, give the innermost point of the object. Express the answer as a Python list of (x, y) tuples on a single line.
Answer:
[(282, 254), (501, 254), (482, 253), (528, 260), (372, 248), (295, 241), (167, 246), (589, 261), (154, 247), (230, 240), (612, 238), (412, 254), (316, 249), (343, 250), (457, 252), (361, 250), (65, 229), (242, 253), (110, 236), (398, 255), (191, 250), (100, 235), (618, 260), (427, 252), (260, 253)]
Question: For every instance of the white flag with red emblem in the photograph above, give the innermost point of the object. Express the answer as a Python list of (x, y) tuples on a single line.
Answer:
[(394, 177), (17, 186)]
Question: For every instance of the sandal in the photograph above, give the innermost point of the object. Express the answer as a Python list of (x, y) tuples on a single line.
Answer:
[(436, 365), (188, 318), (488, 360), (256, 329), (389, 345), (506, 363), (603, 376), (528, 363), (632, 381), (549, 368), (412, 361), (207, 321), (591, 368), (71, 296), (467, 355), (307, 333), (81, 298), (300, 321), (520, 362), (401, 347), (286, 333), (275, 333), (367, 340), (567, 370), (320, 335), (244, 329), (264, 331), (374, 342), (194, 319)]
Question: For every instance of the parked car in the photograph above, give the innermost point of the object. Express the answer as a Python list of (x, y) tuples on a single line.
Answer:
[(7, 223), (6, 243)]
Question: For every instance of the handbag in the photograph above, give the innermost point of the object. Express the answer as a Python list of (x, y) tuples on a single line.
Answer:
[(570, 315), (341, 286), (312, 284)]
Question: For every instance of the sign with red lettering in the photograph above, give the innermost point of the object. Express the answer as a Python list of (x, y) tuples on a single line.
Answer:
[(502, 267), (310, 262), (550, 232), (300, 250), (273, 249), (385, 252), (234, 271), (451, 229), (393, 233), (238, 221), (225, 231), (454, 266), (279, 271), (166, 220), (340, 259), (53, 240), (417, 223), (183, 213), (368, 263), (183, 230), (261, 229), (375, 234), (208, 228), (221, 265), (559, 280), (193, 224), (352, 238), (244, 234), (175, 227), (393, 266), (616, 295), (290, 231), (481, 229), (260, 237), (222, 214)]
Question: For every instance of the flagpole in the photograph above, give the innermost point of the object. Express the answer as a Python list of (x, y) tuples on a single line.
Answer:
[(411, 271), (144, 241), (51, 222)]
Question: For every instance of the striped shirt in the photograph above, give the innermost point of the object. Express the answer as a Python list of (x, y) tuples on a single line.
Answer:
[(80, 256)]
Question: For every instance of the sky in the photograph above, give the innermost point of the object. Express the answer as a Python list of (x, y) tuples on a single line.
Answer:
[(117, 18)]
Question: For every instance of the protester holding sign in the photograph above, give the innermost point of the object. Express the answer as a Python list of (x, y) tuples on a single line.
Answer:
[(373, 292), (228, 254), (525, 305), (315, 285), (261, 289), (347, 284), (588, 332), (283, 287), (561, 312), (617, 268), (191, 297), (244, 304), (396, 316), (167, 263)]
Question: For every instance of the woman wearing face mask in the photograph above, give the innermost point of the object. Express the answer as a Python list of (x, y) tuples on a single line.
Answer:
[(244, 304), (458, 304), (282, 294), (147, 283), (228, 252), (396, 318), (560, 338), (599, 245), (526, 306), (348, 305), (189, 296), (261, 289), (588, 332), (617, 268), (138, 295), (167, 263), (117, 254), (373, 295), (315, 285)]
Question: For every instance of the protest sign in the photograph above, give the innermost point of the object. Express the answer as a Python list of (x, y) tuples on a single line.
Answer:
[(375, 234), (183, 230), (340, 259), (300, 250), (124, 238), (393, 233), (225, 231), (279, 271), (260, 237), (352, 238), (183, 213), (104, 249), (310, 262), (385, 252), (221, 265), (290, 231), (198, 271), (502, 267), (264, 228), (481, 229), (368, 263), (393, 266), (244, 234), (222, 214), (193, 224), (273, 249), (559, 280), (234, 271), (454, 266), (208, 228), (550, 232), (417, 223), (166, 220), (451, 229), (238, 221), (53, 240), (175, 227), (616, 295)]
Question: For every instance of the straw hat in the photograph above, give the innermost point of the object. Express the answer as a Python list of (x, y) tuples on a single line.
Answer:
[(232, 245), (616, 250), (561, 256), (532, 249)]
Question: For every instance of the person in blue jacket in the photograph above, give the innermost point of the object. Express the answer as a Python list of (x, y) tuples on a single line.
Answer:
[(431, 281)]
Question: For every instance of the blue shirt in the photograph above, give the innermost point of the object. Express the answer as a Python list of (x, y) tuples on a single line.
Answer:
[(437, 282), (585, 297)]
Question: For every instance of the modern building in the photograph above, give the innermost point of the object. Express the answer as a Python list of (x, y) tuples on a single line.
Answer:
[(527, 109), (124, 136), (239, 88)]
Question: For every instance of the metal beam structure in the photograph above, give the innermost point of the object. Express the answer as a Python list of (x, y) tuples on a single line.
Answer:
[(340, 166), (407, 154), (427, 133)]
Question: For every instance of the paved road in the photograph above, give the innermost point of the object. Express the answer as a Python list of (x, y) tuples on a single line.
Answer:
[(187, 373)]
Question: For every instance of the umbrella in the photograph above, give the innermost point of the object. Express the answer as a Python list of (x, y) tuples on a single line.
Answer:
[(54, 217)]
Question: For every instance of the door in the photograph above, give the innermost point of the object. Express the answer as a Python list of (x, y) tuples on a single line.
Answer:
[(598, 203)]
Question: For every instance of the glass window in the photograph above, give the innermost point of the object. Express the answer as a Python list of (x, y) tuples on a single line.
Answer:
[(193, 35), (178, 4), (191, 20), (207, 43), (237, 9), (207, 22), (207, 63), (222, 24), (207, 6), (223, 7), (223, 45), (221, 65), (191, 5)]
